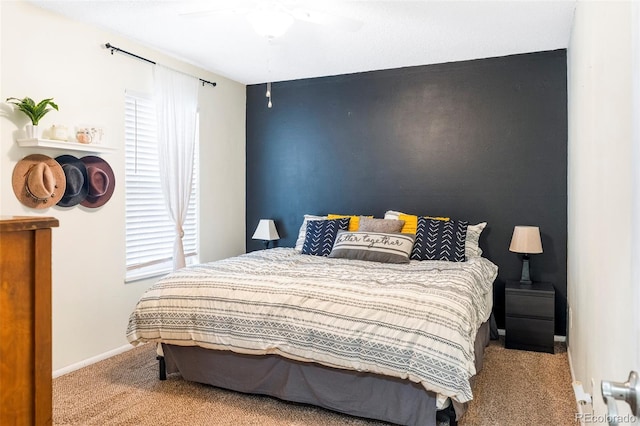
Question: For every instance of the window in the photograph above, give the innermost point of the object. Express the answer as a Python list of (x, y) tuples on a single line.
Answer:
[(149, 229)]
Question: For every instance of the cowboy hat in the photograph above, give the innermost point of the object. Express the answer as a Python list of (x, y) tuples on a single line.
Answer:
[(75, 173), (38, 181), (100, 181)]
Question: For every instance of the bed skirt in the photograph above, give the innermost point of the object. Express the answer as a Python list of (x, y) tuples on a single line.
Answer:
[(356, 393)]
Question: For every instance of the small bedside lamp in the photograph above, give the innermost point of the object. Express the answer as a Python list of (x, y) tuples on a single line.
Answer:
[(526, 240), (266, 231)]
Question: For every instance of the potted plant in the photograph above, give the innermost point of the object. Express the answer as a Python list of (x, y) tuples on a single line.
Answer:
[(35, 112)]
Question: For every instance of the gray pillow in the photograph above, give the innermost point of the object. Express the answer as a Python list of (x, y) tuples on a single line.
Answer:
[(373, 246), (368, 224)]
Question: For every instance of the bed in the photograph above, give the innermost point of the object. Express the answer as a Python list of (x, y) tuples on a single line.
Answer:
[(394, 342)]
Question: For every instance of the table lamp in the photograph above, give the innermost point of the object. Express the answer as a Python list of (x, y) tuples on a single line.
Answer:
[(526, 240), (266, 231)]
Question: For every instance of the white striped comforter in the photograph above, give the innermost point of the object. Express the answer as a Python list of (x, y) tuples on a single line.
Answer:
[(415, 321)]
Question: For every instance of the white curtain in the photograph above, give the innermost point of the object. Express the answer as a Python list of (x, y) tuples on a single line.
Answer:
[(176, 97)]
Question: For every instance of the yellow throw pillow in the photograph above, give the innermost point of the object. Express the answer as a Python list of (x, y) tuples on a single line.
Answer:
[(446, 219), (354, 222), (411, 222)]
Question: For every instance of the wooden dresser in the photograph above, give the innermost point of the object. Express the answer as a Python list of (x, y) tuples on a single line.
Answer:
[(25, 320)]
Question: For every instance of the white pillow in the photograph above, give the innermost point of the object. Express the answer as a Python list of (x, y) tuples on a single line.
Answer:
[(302, 233), (392, 214), (471, 246)]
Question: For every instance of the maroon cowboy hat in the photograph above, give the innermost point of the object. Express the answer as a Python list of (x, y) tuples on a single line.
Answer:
[(100, 181)]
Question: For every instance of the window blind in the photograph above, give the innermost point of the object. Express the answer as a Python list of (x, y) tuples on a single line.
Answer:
[(149, 230)]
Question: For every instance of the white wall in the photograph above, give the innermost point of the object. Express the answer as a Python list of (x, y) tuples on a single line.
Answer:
[(601, 259), (47, 55)]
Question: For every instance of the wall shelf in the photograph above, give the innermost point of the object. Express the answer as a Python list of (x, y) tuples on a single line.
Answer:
[(65, 145)]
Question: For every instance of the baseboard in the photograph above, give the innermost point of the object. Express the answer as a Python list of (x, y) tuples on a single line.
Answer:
[(579, 411), (501, 332), (92, 360)]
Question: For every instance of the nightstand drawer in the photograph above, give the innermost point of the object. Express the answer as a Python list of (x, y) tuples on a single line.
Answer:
[(529, 334), (529, 305)]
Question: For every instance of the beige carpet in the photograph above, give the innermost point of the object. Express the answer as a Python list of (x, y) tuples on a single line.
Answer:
[(522, 388), (514, 388)]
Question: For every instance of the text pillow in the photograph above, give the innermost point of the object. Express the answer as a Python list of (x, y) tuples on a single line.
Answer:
[(321, 234), (373, 246), (440, 240)]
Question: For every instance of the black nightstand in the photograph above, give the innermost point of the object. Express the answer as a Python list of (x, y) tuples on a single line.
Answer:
[(529, 320)]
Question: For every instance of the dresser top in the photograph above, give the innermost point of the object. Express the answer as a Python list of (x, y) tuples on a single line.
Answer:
[(26, 223)]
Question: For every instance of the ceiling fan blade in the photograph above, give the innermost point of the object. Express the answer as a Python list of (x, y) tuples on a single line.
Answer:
[(325, 18), (197, 9)]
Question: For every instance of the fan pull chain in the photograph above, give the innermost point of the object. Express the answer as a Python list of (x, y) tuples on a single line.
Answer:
[(268, 95)]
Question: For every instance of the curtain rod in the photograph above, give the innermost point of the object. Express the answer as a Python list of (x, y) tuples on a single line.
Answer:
[(117, 49)]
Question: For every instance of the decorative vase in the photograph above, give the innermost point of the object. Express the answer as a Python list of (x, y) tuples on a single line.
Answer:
[(32, 131)]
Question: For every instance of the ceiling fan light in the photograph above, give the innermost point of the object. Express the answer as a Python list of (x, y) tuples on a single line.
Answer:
[(270, 23)]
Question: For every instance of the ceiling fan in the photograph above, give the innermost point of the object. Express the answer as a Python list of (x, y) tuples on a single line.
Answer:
[(272, 18)]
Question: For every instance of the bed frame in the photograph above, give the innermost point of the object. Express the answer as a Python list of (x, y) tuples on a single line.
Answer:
[(351, 392)]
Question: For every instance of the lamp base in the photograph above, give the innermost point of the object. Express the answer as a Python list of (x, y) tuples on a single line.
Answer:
[(525, 277)]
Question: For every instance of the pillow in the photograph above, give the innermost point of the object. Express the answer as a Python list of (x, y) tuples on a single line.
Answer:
[(373, 246), (471, 245), (353, 224), (380, 225), (321, 234), (303, 229), (410, 221), (440, 240)]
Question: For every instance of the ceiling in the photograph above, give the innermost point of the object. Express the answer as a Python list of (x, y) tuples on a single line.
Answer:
[(355, 36)]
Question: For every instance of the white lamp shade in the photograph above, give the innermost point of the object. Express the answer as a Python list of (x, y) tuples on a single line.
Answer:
[(266, 231), (526, 239)]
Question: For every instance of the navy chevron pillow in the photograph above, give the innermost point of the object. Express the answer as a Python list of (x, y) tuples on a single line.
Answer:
[(321, 234), (440, 240)]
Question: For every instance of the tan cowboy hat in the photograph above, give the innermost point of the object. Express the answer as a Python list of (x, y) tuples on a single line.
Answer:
[(101, 182), (38, 181)]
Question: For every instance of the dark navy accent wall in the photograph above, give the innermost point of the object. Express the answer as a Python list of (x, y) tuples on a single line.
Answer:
[(482, 140)]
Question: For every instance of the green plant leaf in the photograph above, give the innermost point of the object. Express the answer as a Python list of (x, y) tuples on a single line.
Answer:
[(34, 111), (45, 102)]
